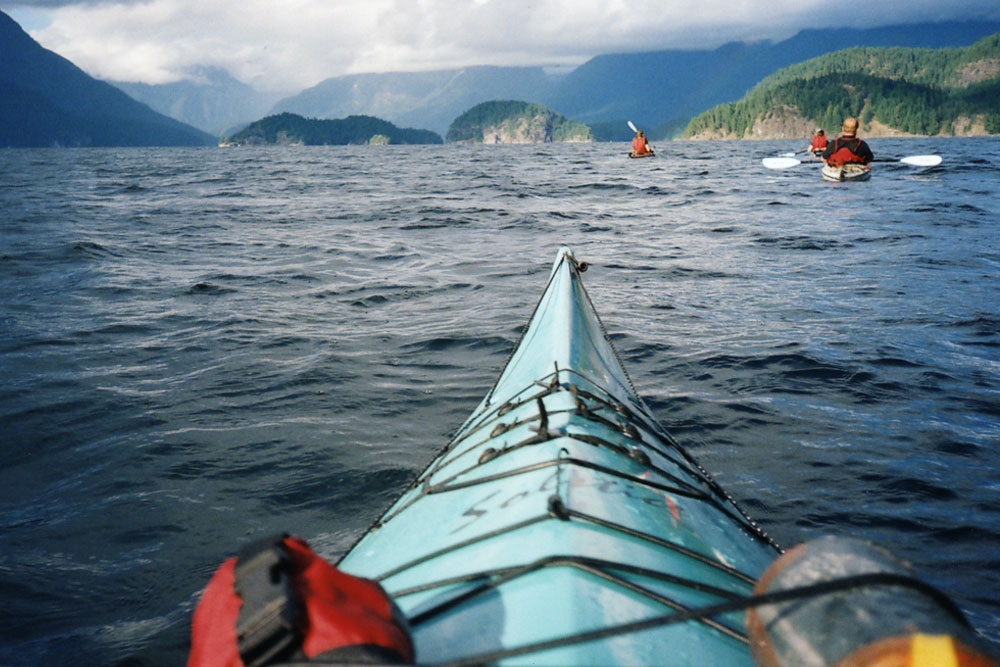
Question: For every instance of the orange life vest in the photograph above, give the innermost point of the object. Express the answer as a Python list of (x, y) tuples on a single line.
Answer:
[(323, 612), (639, 145), (846, 150)]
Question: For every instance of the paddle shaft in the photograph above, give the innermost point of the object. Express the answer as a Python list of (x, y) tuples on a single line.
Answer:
[(912, 160)]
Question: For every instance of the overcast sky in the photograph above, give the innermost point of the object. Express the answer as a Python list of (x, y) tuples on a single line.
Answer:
[(287, 45)]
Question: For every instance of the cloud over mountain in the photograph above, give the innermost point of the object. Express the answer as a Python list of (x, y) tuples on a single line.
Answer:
[(290, 46)]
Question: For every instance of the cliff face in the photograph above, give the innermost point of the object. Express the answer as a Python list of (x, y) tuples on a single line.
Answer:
[(782, 123), (513, 122), (788, 124), (537, 129), (977, 71)]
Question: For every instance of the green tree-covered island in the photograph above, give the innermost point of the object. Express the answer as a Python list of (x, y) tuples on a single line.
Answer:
[(894, 92), (514, 122), (289, 129)]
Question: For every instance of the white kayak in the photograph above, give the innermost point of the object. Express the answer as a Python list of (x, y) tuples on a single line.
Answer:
[(846, 172)]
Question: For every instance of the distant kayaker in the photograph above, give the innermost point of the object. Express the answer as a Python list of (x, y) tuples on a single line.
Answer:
[(847, 148), (639, 144), (818, 144)]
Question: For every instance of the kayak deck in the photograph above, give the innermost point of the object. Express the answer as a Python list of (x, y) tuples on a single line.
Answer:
[(562, 525)]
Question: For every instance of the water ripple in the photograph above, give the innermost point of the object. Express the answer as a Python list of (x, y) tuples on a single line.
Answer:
[(204, 346)]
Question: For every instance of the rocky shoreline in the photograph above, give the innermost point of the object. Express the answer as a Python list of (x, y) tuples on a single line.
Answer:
[(786, 123)]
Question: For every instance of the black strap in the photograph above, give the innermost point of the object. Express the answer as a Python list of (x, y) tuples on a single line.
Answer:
[(851, 144), (266, 629)]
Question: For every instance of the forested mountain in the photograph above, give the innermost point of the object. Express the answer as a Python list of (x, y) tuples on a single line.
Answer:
[(892, 91), (659, 89), (209, 99), (291, 129), (515, 122), (46, 100), (940, 68), (418, 99)]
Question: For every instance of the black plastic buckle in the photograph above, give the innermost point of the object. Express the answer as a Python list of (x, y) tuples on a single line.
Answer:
[(266, 628)]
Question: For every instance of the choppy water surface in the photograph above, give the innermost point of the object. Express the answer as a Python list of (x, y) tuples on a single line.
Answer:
[(203, 346)]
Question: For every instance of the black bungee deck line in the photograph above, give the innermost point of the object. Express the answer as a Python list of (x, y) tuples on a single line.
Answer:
[(587, 414)]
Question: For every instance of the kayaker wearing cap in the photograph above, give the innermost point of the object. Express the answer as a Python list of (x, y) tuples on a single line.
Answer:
[(819, 142), (847, 148), (639, 144)]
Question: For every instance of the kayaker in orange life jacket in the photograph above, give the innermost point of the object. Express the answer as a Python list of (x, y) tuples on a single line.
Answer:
[(818, 144), (847, 148), (639, 144)]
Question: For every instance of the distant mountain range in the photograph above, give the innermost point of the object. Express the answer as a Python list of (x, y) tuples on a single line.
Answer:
[(210, 99), (665, 88), (416, 99), (46, 100), (660, 89)]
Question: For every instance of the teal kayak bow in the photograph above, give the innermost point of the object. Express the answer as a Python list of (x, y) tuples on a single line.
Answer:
[(562, 524)]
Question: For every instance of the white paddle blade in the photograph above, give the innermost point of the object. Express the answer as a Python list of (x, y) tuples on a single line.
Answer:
[(922, 160), (780, 162), (632, 127)]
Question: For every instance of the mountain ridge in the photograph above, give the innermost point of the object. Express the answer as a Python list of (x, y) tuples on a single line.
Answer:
[(894, 91), (653, 88), (420, 99), (210, 99), (46, 100), (288, 129), (515, 122), (660, 90)]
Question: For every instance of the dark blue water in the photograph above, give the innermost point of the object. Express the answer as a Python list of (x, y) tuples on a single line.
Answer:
[(203, 346)]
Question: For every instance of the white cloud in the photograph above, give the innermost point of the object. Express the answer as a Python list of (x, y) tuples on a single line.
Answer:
[(297, 43)]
